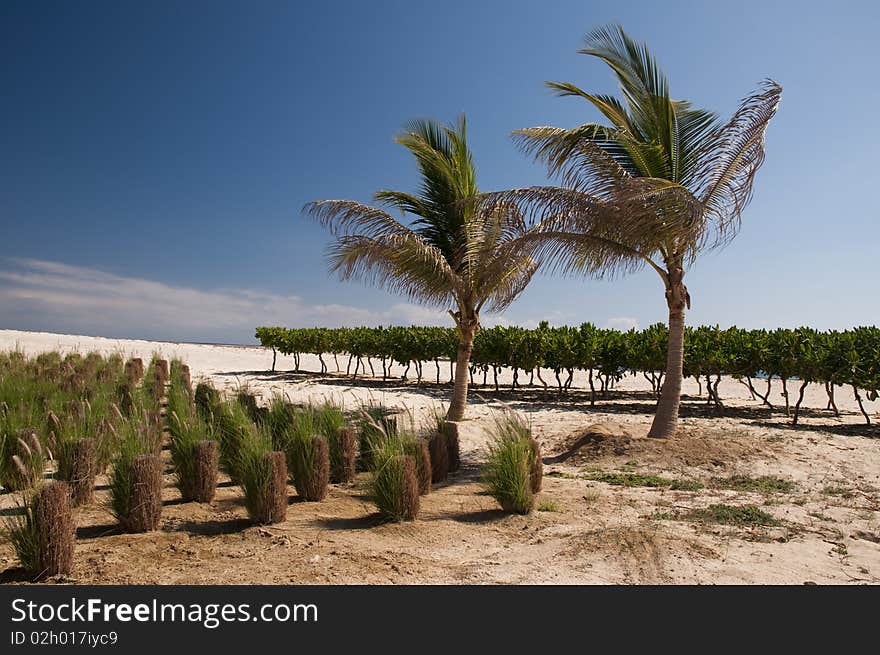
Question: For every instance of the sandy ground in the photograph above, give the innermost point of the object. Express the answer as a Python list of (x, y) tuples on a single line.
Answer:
[(585, 531)]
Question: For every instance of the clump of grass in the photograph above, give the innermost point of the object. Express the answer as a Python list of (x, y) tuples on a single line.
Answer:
[(180, 375), (156, 377), (277, 421), (42, 534), (547, 505), (23, 459), (508, 470), (839, 491), (78, 465), (193, 452), (21, 531), (376, 424), (232, 427), (193, 473), (640, 480), (136, 480), (763, 484), (248, 400), (308, 454), (394, 486), (726, 515), (207, 400), (341, 440), (732, 515), (263, 476)]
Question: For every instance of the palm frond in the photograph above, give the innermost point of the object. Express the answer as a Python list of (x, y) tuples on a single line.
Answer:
[(610, 106), (401, 263), (458, 252), (643, 84), (405, 202), (587, 158), (344, 217), (730, 157)]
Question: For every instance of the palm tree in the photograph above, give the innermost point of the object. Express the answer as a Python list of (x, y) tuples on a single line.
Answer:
[(453, 255), (663, 182)]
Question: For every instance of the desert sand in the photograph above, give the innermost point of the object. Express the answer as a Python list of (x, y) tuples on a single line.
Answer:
[(585, 532)]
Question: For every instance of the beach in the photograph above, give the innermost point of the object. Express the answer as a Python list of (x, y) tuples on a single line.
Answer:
[(588, 529)]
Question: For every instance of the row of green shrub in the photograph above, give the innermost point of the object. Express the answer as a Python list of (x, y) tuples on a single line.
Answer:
[(850, 357)]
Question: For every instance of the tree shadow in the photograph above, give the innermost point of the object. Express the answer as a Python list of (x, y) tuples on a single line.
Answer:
[(12, 511), (841, 429), (213, 528), (97, 531), (481, 516), (15, 574), (530, 397), (351, 523)]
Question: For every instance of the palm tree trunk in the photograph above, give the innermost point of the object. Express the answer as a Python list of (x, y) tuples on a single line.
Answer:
[(462, 375), (677, 298)]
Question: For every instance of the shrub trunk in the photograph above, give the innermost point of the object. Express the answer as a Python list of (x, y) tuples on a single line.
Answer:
[(206, 465), (450, 430), (439, 457), (271, 505), (187, 378), (311, 484), (410, 489), (146, 495), (78, 465), (53, 516), (536, 471), (344, 456), (423, 466)]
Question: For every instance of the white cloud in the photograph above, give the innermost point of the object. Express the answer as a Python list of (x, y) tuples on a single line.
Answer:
[(622, 323), (52, 296)]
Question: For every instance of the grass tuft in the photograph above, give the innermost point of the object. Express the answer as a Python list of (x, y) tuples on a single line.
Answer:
[(740, 516), (632, 480), (394, 486), (763, 484), (508, 469), (547, 505)]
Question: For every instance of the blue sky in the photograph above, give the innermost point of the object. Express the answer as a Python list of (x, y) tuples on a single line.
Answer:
[(156, 155)]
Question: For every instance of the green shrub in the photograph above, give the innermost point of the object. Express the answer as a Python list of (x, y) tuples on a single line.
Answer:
[(375, 426), (207, 400), (263, 477), (278, 419), (42, 534), (308, 456), (135, 441), (21, 532), (508, 470), (231, 427), (394, 486)]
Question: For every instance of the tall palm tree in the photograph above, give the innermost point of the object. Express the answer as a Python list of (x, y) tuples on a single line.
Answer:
[(663, 182), (453, 255)]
